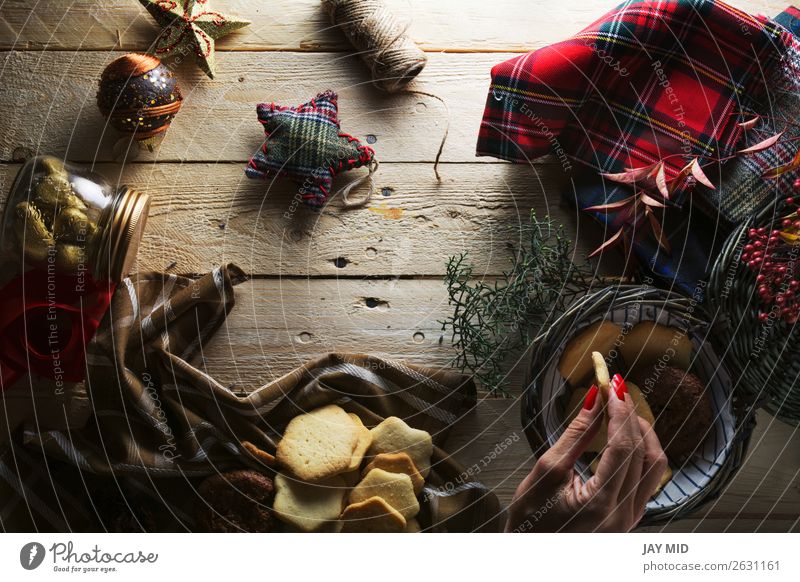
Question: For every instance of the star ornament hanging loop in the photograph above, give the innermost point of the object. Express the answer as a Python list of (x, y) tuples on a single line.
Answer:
[(191, 26)]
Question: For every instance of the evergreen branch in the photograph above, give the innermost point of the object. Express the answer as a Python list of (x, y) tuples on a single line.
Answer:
[(492, 321)]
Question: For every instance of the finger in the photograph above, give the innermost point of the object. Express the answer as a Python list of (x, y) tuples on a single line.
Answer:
[(573, 442), (554, 466), (627, 496), (655, 463), (612, 470)]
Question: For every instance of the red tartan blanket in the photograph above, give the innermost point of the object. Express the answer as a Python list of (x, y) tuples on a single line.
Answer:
[(645, 81)]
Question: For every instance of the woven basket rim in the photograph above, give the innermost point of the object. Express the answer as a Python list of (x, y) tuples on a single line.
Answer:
[(759, 354), (586, 309)]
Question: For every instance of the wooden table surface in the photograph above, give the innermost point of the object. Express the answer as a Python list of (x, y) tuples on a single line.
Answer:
[(368, 280)]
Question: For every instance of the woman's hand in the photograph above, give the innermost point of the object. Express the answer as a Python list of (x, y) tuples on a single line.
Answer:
[(554, 498)]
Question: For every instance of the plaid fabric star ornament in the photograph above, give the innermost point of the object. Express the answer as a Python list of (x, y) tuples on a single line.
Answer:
[(306, 145), (190, 26)]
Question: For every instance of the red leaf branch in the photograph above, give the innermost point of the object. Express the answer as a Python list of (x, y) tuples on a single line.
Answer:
[(653, 188)]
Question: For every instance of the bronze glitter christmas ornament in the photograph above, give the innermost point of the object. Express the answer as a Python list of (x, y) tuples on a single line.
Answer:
[(139, 96)]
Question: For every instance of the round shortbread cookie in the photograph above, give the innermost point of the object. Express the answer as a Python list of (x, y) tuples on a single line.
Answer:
[(650, 342), (319, 444), (398, 463), (372, 515), (364, 441), (393, 435), (394, 488), (308, 506), (575, 364)]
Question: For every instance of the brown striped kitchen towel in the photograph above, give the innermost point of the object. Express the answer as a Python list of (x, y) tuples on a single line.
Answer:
[(158, 424)]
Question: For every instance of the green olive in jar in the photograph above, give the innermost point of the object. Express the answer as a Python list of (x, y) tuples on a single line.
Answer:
[(54, 166), (54, 193), (70, 258), (58, 215), (32, 232), (72, 225)]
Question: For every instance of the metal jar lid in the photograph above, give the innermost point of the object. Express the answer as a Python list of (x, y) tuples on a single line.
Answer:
[(118, 244)]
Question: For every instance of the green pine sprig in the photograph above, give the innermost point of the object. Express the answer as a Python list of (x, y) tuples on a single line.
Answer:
[(494, 320)]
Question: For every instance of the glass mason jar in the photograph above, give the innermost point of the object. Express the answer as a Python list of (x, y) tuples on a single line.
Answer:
[(63, 218)]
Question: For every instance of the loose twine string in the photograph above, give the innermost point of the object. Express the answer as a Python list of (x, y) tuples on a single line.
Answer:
[(393, 58)]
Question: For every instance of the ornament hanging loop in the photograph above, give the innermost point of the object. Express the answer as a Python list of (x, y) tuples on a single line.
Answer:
[(373, 167)]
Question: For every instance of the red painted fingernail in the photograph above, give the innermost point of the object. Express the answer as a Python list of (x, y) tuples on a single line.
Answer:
[(618, 383), (591, 397)]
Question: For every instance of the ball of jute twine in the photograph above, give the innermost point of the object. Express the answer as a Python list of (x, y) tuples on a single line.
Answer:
[(392, 57)]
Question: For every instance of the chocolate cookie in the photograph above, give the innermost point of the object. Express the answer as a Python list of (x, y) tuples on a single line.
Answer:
[(236, 501), (122, 511), (681, 407)]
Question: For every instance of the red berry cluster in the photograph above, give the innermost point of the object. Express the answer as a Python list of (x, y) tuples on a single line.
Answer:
[(776, 264)]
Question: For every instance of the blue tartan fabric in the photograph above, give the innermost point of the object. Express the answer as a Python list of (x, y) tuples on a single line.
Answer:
[(693, 237)]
